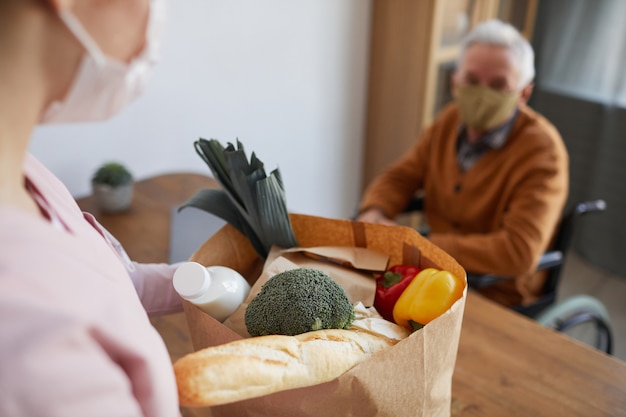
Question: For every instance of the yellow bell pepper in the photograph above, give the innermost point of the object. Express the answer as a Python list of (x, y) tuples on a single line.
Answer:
[(431, 293)]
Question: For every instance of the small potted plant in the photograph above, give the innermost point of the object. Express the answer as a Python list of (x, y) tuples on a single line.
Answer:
[(112, 186)]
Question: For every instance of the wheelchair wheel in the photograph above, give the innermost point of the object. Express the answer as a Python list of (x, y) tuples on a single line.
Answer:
[(581, 317)]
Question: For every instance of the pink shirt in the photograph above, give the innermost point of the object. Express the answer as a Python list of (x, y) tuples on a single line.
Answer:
[(75, 338)]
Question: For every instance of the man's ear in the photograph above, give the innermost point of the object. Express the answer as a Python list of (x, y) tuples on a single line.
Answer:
[(526, 92)]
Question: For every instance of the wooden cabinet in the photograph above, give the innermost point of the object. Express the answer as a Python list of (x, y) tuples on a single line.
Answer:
[(414, 46)]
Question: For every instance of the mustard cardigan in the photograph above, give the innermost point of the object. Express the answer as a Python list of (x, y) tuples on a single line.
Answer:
[(497, 217)]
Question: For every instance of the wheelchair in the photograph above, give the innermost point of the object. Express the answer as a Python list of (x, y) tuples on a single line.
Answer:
[(581, 316)]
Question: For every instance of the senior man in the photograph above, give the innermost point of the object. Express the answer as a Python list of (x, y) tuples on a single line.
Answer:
[(494, 172)]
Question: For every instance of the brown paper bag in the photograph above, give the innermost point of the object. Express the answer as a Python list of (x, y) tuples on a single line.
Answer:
[(412, 379)]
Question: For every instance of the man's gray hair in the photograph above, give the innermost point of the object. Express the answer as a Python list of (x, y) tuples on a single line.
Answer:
[(496, 32)]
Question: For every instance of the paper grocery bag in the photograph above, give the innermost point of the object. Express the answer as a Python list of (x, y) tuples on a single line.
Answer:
[(412, 378)]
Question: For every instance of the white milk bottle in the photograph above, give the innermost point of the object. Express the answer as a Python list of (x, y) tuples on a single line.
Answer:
[(217, 290)]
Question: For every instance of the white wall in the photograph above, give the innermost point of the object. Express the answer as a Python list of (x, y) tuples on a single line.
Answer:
[(288, 78)]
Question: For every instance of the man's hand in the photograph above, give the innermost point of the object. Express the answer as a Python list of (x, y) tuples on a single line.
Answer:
[(374, 215)]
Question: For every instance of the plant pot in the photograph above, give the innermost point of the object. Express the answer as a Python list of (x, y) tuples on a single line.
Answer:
[(112, 199)]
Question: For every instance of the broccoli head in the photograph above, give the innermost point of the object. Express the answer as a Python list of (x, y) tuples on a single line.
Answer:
[(298, 301)]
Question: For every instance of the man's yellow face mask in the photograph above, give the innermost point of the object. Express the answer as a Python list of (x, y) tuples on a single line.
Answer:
[(484, 108)]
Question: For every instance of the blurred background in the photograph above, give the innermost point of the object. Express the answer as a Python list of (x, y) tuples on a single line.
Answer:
[(286, 78), (331, 91)]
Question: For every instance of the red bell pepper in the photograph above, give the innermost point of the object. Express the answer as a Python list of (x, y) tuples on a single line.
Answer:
[(390, 286)]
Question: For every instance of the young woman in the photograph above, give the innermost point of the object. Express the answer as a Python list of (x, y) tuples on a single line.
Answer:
[(76, 339)]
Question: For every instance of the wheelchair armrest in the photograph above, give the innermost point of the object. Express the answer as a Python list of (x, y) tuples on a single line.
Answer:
[(483, 280), (550, 260)]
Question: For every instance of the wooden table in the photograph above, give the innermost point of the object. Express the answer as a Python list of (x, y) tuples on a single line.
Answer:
[(507, 365)]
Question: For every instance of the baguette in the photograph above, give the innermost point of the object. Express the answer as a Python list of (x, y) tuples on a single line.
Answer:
[(263, 365)]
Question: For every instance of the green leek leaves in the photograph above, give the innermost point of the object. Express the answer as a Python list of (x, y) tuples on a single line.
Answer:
[(251, 201)]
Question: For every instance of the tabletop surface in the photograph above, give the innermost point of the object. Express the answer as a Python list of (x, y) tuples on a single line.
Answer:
[(507, 364)]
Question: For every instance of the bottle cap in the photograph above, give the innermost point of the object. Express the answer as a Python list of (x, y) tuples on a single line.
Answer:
[(191, 280)]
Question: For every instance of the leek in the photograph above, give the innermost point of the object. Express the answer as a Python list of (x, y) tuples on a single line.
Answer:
[(251, 201)]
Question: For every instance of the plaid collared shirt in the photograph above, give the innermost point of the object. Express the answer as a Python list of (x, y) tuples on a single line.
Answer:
[(467, 154)]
